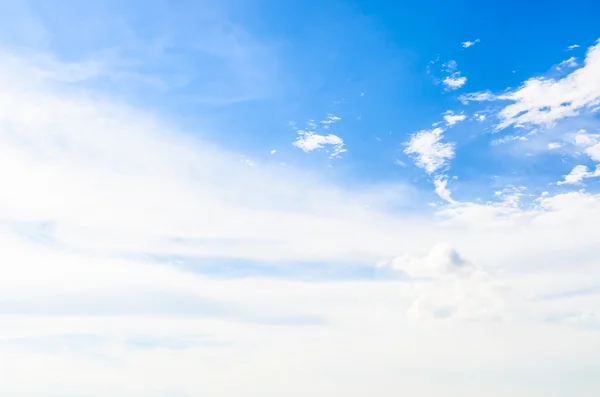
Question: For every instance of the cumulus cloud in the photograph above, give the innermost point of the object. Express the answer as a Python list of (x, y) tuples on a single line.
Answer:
[(451, 118), (459, 290), (455, 81), (309, 141), (590, 143), (554, 145), (468, 44), (429, 151), (578, 174)]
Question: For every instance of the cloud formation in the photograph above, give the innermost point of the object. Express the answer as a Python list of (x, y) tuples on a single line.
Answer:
[(468, 44), (543, 101), (429, 152)]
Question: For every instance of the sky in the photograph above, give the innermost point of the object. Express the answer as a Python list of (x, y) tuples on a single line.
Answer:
[(265, 198)]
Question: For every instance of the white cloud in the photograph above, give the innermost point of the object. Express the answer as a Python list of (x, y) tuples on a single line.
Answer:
[(570, 63), (478, 97), (430, 152), (578, 174), (572, 47), (591, 143), (455, 81), (468, 44), (452, 118), (331, 119), (441, 188), (450, 66), (544, 101), (309, 141), (509, 138), (554, 145), (273, 151), (107, 213), (594, 152)]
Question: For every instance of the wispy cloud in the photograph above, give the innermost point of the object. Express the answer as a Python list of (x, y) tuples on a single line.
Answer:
[(468, 44), (570, 63), (544, 101), (572, 47), (331, 119)]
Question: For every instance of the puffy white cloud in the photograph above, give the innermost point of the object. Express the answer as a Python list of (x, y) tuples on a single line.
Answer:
[(451, 118), (455, 81), (468, 44), (441, 261), (309, 141), (429, 151), (591, 143), (554, 145), (459, 290), (578, 174)]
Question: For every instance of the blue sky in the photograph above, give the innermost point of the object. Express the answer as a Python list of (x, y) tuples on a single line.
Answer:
[(286, 195), (249, 69)]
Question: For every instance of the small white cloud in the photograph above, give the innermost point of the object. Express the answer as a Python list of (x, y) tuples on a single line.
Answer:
[(452, 118), (309, 141), (455, 81), (273, 151), (478, 97), (400, 163), (570, 63), (329, 120), (479, 117), (441, 189), (468, 44), (578, 174), (509, 138), (554, 145), (430, 153), (441, 261), (247, 161), (572, 47)]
